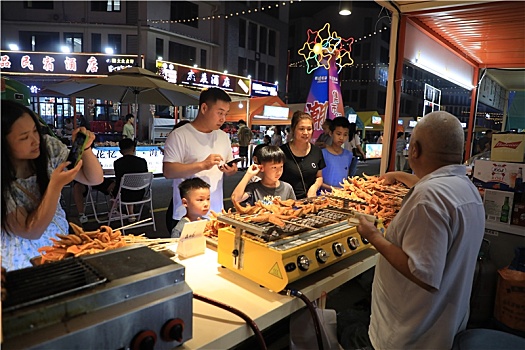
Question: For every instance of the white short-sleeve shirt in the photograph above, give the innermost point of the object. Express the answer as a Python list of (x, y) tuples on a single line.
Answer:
[(188, 145), (440, 227)]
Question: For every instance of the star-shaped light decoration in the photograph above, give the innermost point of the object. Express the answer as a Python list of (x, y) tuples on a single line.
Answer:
[(323, 45)]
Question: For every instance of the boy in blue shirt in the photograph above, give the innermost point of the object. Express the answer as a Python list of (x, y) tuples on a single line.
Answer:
[(337, 158)]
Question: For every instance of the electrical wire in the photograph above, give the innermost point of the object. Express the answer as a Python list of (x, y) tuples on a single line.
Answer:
[(313, 313), (246, 318)]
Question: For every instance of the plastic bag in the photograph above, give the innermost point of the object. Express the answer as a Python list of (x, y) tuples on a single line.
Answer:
[(302, 331)]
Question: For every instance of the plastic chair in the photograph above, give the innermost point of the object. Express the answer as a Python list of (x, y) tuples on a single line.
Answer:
[(133, 182)]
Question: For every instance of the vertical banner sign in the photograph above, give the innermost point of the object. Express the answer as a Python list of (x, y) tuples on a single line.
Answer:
[(323, 51), (317, 102), (336, 107)]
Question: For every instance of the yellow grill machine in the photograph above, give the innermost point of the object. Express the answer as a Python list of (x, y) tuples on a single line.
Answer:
[(274, 256)]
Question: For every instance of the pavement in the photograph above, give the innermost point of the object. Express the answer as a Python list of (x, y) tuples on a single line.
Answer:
[(162, 193)]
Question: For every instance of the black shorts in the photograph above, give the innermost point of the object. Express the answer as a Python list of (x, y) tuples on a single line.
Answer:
[(103, 187), (243, 151)]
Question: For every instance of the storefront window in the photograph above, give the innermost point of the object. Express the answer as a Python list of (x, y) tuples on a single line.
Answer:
[(114, 41), (74, 41)]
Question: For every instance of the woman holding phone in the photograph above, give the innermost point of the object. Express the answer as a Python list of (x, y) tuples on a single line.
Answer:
[(34, 171)]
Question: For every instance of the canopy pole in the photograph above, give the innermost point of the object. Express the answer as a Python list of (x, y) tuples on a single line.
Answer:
[(248, 116), (505, 118), (474, 95), (393, 91)]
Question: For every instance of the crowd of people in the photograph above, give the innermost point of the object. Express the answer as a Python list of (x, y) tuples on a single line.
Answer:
[(431, 247), (428, 253)]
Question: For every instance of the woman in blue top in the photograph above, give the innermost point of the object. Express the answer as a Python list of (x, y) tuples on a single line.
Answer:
[(33, 175), (337, 158)]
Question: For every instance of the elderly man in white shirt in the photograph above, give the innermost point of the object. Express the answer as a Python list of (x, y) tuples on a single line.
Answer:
[(423, 279)]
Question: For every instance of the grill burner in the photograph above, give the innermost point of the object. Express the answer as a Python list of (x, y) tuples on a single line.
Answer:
[(35, 284), (141, 293)]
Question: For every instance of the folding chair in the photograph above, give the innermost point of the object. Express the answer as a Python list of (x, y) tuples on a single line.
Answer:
[(92, 200), (134, 182)]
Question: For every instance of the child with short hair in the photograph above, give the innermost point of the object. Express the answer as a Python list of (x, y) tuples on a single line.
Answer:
[(270, 169), (337, 158), (195, 196)]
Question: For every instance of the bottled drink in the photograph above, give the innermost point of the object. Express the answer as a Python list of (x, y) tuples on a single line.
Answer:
[(505, 210), (519, 181)]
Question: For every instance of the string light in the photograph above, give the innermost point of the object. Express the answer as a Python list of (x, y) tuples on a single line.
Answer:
[(226, 16), (297, 64)]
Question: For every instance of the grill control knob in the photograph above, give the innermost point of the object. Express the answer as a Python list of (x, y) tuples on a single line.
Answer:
[(172, 330), (144, 340), (353, 243), (338, 249), (321, 255), (303, 262), (365, 241)]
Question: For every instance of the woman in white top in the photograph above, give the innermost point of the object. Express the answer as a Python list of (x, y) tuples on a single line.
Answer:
[(277, 138)]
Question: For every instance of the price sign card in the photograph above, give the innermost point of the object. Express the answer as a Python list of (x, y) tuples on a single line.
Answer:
[(192, 241)]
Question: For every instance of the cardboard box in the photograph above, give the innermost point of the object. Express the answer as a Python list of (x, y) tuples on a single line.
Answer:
[(498, 206), (508, 147), (498, 175)]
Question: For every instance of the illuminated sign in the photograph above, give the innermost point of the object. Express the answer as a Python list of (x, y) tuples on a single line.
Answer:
[(412, 123), (352, 118), (373, 150), (400, 122), (203, 78), (276, 112), (376, 120), (57, 63), (322, 45), (260, 88), (107, 156), (431, 99)]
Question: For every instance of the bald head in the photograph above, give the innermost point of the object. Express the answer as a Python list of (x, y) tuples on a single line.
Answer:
[(441, 136)]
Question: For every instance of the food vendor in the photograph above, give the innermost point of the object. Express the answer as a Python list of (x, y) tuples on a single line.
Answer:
[(33, 175)]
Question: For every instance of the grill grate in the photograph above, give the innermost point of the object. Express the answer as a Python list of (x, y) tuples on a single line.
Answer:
[(268, 232), (36, 284)]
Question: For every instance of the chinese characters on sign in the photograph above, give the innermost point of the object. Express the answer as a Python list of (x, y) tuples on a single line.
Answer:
[(63, 64), (202, 78), (107, 156)]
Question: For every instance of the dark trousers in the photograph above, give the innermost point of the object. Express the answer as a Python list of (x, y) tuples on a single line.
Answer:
[(170, 223)]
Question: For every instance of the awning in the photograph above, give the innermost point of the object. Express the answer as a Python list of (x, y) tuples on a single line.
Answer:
[(256, 106), (15, 91)]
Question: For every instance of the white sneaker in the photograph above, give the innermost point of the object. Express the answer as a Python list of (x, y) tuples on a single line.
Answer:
[(83, 219), (132, 219)]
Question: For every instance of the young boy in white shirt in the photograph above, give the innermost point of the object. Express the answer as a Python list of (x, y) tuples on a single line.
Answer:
[(195, 195), (269, 169)]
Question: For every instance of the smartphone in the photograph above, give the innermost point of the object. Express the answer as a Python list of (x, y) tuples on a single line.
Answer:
[(75, 154), (236, 160)]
